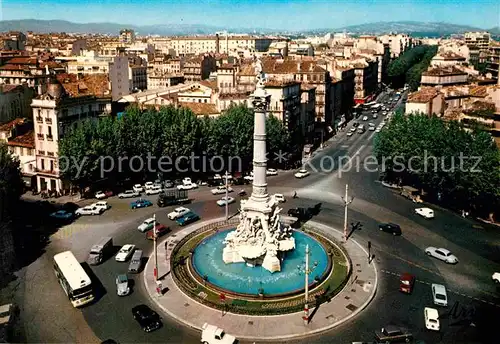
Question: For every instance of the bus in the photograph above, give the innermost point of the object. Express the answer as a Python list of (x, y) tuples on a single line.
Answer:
[(73, 279), (376, 107)]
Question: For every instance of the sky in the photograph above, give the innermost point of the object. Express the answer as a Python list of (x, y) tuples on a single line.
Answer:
[(271, 14)]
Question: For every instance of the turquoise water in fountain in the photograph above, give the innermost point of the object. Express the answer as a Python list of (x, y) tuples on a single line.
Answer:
[(240, 278)]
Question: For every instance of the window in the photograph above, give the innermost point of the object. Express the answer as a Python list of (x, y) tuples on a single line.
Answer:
[(40, 129), (50, 130), (42, 164)]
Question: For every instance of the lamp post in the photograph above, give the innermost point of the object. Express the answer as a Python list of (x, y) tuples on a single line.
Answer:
[(347, 201), (227, 201), (306, 271), (154, 248)]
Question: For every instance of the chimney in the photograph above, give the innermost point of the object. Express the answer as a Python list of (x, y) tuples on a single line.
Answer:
[(39, 90), (299, 64)]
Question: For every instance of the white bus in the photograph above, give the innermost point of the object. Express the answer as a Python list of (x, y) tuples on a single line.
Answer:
[(73, 279)]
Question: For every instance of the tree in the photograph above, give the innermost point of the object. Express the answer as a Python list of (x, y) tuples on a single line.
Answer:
[(11, 188), (278, 140)]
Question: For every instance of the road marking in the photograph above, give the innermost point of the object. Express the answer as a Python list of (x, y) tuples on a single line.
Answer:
[(450, 290)]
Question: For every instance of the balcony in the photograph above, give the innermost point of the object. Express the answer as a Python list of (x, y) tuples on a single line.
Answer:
[(48, 172), (39, 119), (40, 136), (49, 137), (50, 153), (48, 120)]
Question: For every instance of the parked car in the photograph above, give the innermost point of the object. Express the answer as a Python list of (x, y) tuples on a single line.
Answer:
[(148, 319), (168, 184), (212, 334), (428, 213), (392, 334), (441, 254), (136, 262), (141, 203), (122, 285), (375, 116), (103, 194), (188, 186), (154, 190), (406, 283), (160, 230), (148, 185), (272, 172), (301, 173), (125, 253), (496, 277), (371, 128), (431, 317), (102, 204), (178, 212), (365, 118), (221, 190), (280, 198), (302, 214), (439, 296), (187, 219), (62, 215), (249, 177), (89, 210), (129, 194), (392, 228), (187, 180), (146, 225), (223, 201), (138, 188)]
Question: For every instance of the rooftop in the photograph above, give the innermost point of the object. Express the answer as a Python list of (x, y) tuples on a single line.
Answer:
[(280, 83), (233, 96), (11, 124), (288, 66), (92, 84), (424, 95), (25, 140), (443, 71), (201, 109)]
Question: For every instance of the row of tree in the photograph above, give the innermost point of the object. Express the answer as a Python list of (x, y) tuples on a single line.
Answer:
[(458, 167), (170, 133), (408, 67)]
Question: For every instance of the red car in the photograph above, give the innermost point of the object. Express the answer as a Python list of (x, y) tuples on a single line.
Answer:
[(406, 282), (159, 229)]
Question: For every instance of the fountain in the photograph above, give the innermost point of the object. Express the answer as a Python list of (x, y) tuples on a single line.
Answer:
[(260, 238)]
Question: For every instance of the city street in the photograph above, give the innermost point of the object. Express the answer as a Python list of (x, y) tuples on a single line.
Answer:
[(468, 282)]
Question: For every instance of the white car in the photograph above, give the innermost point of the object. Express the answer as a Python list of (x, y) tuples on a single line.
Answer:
[(280, 198), (350, 133), (223, 201), (221, 190), (441, 254), (375, 116), (371, 129), (100, 195), (138, 188), (89, 210), (189, 186), (155, 190), (371, 124), (365, 118), (439, 296), (377, 130), (212, 334), (125, 253), (384, 113), (272, 172), (496, 277), (431, 316), (148, 185), (129, 194), (178, 212), (353, 129), (102, 204), (146, 225), (302, 174), (428, 213), (187, 180), (249, 177)]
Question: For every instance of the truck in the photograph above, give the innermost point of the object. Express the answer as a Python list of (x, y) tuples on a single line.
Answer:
[(100, 251), (212, 334), (172, 197), (393, 334)]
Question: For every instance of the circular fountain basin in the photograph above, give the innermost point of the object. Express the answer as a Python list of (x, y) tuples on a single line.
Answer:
[(239, 278)]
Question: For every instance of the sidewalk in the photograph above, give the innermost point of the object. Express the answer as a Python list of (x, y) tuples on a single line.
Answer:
[(357, 294)]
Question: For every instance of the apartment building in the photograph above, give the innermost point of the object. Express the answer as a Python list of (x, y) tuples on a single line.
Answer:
[(23, 70), (493, 60), (15, 102), (398, 43), (365, 80), (444, 76), (13, 40), (447, 58), (127, 36), (480, 40), (90, 62), (127, 74), (427, 100), (68, 100), (198, 68)]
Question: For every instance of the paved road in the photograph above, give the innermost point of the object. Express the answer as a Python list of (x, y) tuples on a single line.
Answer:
[(469, 281)]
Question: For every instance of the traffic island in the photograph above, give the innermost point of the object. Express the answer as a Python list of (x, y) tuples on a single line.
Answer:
[(346, 288)]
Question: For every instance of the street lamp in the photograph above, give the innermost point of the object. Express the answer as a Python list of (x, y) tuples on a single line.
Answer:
[(347, 201), (227, 201), (306, 271)]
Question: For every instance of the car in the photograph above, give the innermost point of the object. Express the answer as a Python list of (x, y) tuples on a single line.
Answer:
[(141, 203), (392, 228), (350, 133), (138, 188), (148, 319), (89, 210), (178, 212), (102, 204), (62, 215), (148, 185), (428, 213), (168, 184), (125, 253), (496, 277), (392, 333), (122, 286), (353, 129), (7, 317), (365, 118), (221, 190), (212, 334), (146, 225), (371, 129), (371, 124), (431, 317), (223, 201), (280, 198), (384, 113), (375, 116), (100, 195), (160, 230), (406, 283), (272, 172), (129, 194), (439, 296), (187, 219), (302, 214), (377, 130), (249, 177), (154, 190), (301, 174), (187, 186), (441, 254)]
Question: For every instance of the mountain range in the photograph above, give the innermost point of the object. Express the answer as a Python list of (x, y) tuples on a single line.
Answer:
[(431, 29)]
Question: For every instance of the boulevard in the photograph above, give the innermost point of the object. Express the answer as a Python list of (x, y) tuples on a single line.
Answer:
[(468, 282)]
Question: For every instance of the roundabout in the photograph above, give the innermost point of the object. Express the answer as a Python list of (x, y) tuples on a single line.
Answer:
[(347, 286)]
